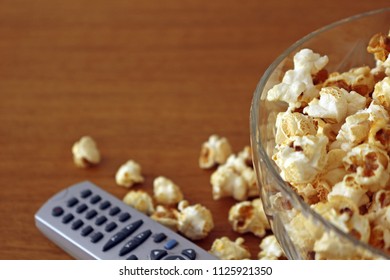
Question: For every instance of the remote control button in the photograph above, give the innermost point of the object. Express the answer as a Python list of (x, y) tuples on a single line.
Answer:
[(122, 235), (158, 254), (95, 199), (81, 208), (96, 237), (111, 226), (134, 243), (114, 211), (67, 218), (72, 202), (91, 214), (189, 253), (77, 224), (57, 211), (85, 193), (132, 257), (101, 220), (159, 237), (105, 205), (87, 230), (124, 217), (170, 244), (175, 258)]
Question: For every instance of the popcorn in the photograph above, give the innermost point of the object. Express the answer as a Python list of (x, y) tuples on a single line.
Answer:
[(166, 216), (194, 221), (249, 216), (235, 179), (302, 160), (290, 124), (270, 249), (140, 200), (215, 151), (246, 156), (166, 192), (381, 93), (225, 249), (379, 135), (370, 164), (351, 189), (129, 174), (297, 86), (379, 45), (358, 79), (85, 152)]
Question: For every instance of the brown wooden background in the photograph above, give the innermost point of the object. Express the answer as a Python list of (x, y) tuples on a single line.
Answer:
[(149, 80)]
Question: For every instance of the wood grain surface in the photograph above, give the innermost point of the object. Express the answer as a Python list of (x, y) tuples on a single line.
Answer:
[(149, 80)]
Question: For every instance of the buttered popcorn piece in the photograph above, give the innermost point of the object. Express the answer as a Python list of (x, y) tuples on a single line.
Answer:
[(297, 86), (290, 124), (85, 152), (270, 249), (249, 216), (370, 164), (166, 216), (166, 192), (379, 45), (129, 174), (234, 179), (140, 200), (348, 187), (379, 134), (226, 249), (194, 221), (302, 160), (382, 93), (215, 151)]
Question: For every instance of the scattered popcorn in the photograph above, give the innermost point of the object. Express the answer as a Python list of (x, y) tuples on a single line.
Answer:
[(194, 221), (246, 156), (302, 160), (249, 216), (166, 216), (140, 200), (270, 249), (225, 249), (215, 151), (129, 174), (85, 152), (382, 93), (166, 192)]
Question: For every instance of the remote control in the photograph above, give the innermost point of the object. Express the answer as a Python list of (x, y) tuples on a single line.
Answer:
[(89, 223)]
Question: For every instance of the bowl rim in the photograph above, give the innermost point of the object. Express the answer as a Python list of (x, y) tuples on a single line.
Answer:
[(259, 150)]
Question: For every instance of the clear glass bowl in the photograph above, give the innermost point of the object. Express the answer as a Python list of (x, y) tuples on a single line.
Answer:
[(344, 42)]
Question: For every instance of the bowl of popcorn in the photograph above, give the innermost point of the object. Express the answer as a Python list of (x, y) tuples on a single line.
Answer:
[(320, 136)]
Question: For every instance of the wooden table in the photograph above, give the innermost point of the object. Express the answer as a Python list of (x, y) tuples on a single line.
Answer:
[(149, 80)]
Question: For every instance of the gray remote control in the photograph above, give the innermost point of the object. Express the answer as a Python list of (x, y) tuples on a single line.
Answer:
[(89, 223)]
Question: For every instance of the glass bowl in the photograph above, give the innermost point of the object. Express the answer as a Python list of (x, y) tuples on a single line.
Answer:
[(298, 228)]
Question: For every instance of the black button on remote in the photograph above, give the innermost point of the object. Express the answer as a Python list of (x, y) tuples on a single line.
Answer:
[(158, 254), (87, 230), (111, 226), (115, 210), (174, 257), (132, 257), (159, 237), (189, 253), (124, 217), (95, 199), (101, 220), (134, 243), (96, 237), (81, 208), (122, 235), (67, 218), (72, 202), (85, 193), (77, 224), (57, 211), (91, 214), (105, 205)]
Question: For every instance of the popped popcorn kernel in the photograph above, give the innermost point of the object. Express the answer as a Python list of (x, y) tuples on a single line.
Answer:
[(129, 174), (166, 191), (379, 46), (225, 249), (194, 221), (350, 188), (85, 152), (249, 216), (166, 216), (270, 249), (303, 159), (382, 93), (379, 135), (140, 200), (215, 151), (290, 124)]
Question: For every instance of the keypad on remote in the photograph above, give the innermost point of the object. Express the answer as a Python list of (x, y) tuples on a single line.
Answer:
[(97, 225)]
